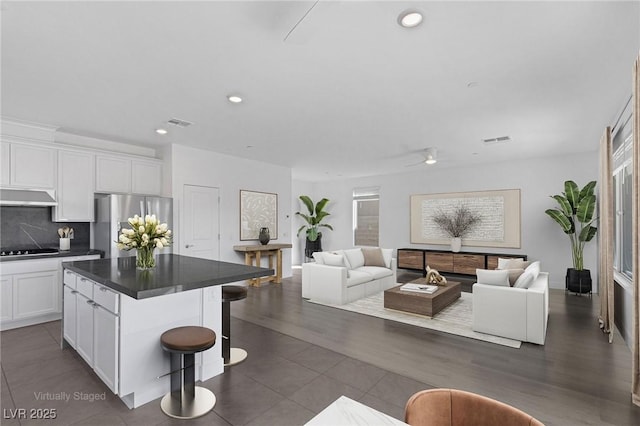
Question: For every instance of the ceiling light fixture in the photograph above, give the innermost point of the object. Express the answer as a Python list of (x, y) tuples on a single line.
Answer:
[(430, 156), (234, 99), (161, 131), (410, 18)]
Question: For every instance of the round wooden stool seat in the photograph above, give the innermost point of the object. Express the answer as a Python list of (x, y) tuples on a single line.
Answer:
[(188, 339), (232, 293)]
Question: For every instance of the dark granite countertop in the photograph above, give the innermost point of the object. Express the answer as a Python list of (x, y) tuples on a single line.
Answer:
[(61, 254), (173, 274)]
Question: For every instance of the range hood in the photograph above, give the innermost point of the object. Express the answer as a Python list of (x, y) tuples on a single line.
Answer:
[(27, 197)]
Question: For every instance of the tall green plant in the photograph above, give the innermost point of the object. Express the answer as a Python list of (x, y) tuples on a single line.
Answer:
[(313, 219), (576, 209)]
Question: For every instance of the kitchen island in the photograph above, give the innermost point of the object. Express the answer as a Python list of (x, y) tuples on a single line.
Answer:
[(114, 314)]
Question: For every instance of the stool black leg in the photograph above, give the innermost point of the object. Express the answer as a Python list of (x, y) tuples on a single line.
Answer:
[(189, 376), (176, 376), (226, 331)]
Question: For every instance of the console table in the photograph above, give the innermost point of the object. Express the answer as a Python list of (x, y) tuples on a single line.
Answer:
[(255, 252), (463, 262)]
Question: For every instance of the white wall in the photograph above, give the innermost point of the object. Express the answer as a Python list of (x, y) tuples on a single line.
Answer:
[(537, 179), (231, 174), (299, 188)]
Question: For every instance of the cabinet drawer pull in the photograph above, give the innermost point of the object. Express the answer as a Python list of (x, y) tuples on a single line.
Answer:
[(66, 271), (74, 291), (103, 289), (83, 280), (90, 302)]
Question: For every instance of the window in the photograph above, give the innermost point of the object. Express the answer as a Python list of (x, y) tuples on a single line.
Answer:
[(366, 207), (622, 173)]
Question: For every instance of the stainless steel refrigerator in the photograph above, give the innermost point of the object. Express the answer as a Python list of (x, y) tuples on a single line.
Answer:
[(112, 213)]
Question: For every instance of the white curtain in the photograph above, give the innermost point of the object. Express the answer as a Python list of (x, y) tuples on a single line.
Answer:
[(605, 236)]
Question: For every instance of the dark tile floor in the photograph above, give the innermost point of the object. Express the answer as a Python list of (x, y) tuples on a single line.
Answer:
[(285, 381)]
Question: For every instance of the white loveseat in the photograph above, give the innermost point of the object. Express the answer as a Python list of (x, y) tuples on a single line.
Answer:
[(516, 313), (342, 276)]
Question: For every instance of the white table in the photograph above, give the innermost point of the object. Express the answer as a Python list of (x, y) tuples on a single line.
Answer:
[(346, 411)]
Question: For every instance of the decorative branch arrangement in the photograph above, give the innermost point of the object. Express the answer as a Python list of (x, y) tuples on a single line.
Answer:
[(457, 224)]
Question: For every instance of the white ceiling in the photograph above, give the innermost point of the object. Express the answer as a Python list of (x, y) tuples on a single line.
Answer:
[(349, 93)]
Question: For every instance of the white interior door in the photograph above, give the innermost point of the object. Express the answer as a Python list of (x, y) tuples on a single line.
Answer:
[(201, 222)]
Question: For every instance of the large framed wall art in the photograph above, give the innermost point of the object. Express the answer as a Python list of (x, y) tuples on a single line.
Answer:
[(499, 213), (258, 210)]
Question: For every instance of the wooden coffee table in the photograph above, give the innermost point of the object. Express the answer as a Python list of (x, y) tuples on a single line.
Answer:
[(422, 303)]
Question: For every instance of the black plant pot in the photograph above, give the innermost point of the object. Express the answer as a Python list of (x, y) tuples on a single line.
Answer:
[(313, 246), (578, 281)]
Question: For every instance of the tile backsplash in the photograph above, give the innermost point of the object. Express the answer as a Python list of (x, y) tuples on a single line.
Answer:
[(31, 227)]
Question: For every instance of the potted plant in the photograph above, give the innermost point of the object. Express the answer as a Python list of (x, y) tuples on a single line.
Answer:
[(456, 224), (313, 219), (575, 217)]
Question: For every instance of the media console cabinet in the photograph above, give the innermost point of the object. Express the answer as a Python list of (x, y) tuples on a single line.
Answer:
[(463, 262)]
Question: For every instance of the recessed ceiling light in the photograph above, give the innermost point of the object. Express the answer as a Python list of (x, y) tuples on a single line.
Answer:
[(235, 99), (161, 131), (410, 18)]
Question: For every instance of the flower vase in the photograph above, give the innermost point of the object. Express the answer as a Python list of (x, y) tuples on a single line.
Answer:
[(456, 244), (145, 258), (264, 236)]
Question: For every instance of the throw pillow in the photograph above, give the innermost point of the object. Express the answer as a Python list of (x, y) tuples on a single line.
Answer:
[(373, 257), (503, 261), (516, 264), (514, 274), (354, 257), (493, 277), (346, 261), (319, 257), (524, 281), (333, 259), (534, 268)]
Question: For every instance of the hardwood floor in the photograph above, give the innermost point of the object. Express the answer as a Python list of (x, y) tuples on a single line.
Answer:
[(303, 356), (576, 378)]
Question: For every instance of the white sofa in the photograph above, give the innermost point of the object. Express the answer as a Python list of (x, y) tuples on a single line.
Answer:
[(341, 276), (516, 313)]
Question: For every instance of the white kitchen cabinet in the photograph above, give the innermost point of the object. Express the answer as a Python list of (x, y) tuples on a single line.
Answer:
[(92, 326), (69, 313), (128, 175), (75, 187), (113, 174), (146, 177), (106, 338), (84, 327), (32, 166), (6, 297), (35, 294), (32, 290), (5, 162)]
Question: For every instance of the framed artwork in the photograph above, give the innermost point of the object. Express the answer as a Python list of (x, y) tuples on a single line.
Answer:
[(258, 210), (499, 213)]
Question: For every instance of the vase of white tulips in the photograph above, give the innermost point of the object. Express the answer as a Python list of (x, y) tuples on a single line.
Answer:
[(146, 234)]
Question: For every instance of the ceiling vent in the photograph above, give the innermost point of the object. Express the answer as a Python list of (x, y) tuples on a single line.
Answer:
[(179, 123), (501, 139)]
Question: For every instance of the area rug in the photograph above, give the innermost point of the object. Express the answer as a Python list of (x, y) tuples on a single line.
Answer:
[(454, 319)]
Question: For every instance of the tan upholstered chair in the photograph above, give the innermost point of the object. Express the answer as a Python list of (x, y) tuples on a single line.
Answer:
[(451, 407)]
